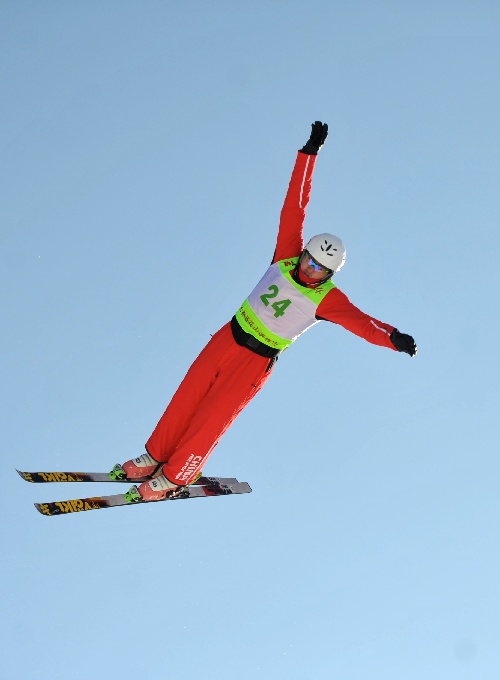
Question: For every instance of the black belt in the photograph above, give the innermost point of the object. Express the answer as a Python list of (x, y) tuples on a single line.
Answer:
[(247, 340)]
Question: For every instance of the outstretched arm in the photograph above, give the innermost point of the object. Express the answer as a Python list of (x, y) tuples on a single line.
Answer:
[(337, 307), (290, 241)]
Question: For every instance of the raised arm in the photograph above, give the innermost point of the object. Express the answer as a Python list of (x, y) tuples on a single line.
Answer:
[(290, 242)]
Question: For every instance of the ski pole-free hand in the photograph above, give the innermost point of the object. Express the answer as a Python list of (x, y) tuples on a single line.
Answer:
[(403, 342), (319, 133)]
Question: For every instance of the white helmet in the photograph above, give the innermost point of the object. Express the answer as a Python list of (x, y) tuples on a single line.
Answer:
[(328, 250)]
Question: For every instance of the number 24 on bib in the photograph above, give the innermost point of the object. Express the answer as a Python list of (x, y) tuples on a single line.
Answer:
[(279, 306)]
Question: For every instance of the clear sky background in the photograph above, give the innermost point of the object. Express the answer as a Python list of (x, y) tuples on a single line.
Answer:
[(146, 149)]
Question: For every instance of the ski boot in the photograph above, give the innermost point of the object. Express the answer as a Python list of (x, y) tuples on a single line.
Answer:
[(157, 489), (143, 466)]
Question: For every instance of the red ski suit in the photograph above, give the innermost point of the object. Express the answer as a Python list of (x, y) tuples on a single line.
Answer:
[(226, 375)]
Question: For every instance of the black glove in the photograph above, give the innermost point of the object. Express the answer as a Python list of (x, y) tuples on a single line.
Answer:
[(403, 342), (319, 132)]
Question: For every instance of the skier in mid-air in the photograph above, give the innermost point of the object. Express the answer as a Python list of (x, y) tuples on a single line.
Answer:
[(296, 292)]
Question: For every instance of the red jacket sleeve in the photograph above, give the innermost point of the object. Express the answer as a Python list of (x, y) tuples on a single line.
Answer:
[(337, 307), (290, 241)]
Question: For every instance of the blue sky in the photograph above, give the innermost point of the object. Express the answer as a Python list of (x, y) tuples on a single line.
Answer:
[(146, 149)]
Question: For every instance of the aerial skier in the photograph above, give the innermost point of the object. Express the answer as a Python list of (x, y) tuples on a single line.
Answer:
[(296, 292)]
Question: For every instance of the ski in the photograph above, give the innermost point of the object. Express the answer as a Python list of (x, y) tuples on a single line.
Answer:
[(132, 497), (43, 477)]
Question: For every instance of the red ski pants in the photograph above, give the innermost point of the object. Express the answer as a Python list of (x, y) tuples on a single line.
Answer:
[(219, 384)]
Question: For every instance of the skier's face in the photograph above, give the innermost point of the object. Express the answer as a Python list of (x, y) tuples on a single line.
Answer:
[(311, 268)]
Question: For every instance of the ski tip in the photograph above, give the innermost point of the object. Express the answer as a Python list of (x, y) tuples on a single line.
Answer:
[(25, 475), (41, 509)]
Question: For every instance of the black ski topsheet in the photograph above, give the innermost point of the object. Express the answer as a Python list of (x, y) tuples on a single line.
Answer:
[(131, 498), (45, 477)]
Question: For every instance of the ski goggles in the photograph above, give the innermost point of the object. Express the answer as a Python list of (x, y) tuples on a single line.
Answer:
[(311, 262)]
